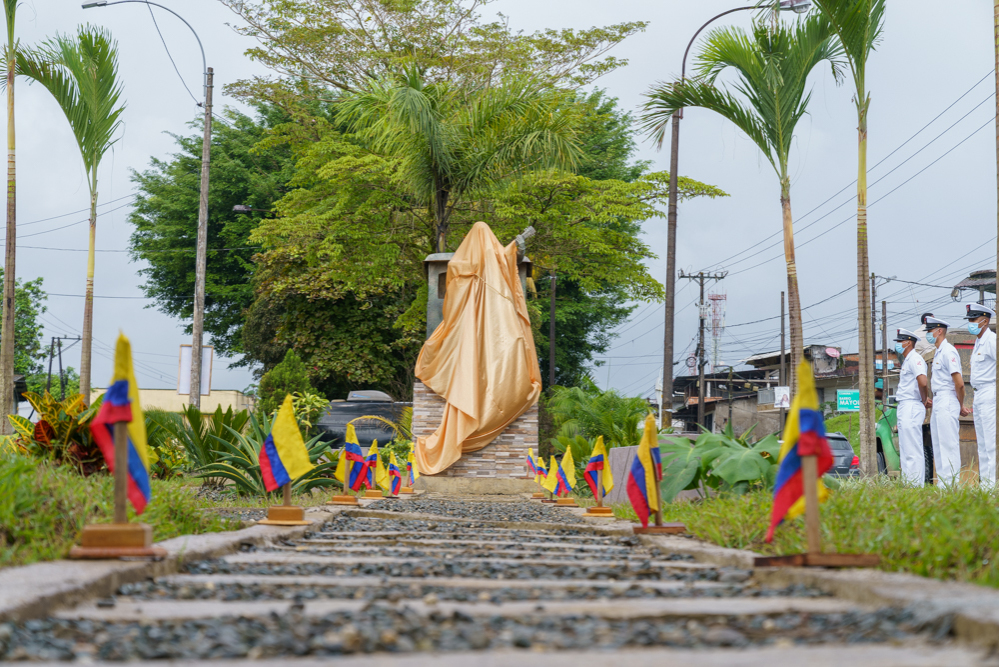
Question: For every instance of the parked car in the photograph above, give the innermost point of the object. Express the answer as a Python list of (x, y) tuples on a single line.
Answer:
[(845, 462), (333, 424)]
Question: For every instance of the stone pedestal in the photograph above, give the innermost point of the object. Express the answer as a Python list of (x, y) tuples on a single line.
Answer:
[(500, 467)]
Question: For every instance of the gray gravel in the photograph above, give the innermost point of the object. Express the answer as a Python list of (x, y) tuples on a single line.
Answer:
[(483, 511)]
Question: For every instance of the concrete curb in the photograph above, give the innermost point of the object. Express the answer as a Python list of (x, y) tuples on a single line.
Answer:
[(38, 589), (521, 525)]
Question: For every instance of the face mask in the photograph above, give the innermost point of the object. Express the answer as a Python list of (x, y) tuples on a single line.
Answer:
[(899, 349), (974, 329), (931, 339)]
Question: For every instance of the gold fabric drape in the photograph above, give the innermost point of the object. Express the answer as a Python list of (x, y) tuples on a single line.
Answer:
[(481, 359)]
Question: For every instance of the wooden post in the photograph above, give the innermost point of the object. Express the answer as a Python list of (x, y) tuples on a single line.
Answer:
[(121, 472), (197, 324), (810, 471), (287, 495), (659, 496), (600, 488)]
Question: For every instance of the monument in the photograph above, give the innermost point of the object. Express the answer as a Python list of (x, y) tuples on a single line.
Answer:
[(475, 409)]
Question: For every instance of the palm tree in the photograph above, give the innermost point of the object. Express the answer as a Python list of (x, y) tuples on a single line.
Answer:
[(858, 25), (9, 274), (772, 64), (454, 141), (82, 75)]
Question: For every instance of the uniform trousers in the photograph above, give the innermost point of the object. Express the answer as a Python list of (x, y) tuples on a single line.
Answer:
[(910, 416), (984, 410), (945, 430)]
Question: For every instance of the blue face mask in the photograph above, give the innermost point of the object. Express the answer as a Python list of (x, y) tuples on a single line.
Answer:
[(974, 329), (931, 339), (899, 349)]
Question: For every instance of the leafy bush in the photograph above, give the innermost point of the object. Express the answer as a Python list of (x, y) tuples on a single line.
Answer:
[(199, 434), (309, 407), (718, 461), (288, 377), (62, 432), (167, 456), (588, 412), (238, 460), (44, 506)]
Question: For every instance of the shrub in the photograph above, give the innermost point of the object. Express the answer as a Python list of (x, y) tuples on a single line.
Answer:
[(62, 432), (588, 412), (167, 457), (288, 377), (199, 434)]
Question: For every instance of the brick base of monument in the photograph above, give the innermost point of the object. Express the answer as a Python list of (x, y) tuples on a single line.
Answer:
[(499, 467)]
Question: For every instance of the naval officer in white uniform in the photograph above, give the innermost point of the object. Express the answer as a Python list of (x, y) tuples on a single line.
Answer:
[(911, 412), (983, 381), (947, 384)]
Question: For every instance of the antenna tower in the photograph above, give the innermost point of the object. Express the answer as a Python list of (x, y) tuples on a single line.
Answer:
[(717, 326)]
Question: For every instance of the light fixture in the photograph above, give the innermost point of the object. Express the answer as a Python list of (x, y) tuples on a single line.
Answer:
[(796, 6), (241, 208), (88, 5)]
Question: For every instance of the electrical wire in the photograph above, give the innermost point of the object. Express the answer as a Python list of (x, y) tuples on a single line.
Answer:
[(167, 49)]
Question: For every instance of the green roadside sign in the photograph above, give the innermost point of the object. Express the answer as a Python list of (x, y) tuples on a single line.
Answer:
[(848, 400)]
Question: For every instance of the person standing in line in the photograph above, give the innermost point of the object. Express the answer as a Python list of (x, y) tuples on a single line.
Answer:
[(924, 347), (983, 381), (947, 383), (911, 411)]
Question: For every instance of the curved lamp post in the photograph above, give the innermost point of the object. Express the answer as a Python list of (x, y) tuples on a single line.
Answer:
[(197, 326), (796, 6)]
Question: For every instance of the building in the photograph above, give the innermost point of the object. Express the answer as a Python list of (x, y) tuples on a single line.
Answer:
[(729, 397), (170, 401)]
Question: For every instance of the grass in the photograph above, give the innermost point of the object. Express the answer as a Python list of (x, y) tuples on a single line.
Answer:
[(44, 507), (950, 534), (847, 423)]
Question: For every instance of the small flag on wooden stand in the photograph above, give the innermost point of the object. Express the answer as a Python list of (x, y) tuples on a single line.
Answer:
[(412, 473), (643, 484), (395, 477), (376, 476), (600, 478), (536, 473), (283, 459), (120, 432), (804, 457), (350, 469), (567, 479)]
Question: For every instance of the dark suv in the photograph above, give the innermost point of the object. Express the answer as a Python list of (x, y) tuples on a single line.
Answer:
[(845, 462)]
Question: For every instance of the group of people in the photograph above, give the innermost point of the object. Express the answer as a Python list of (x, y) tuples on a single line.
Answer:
[(944, 392)]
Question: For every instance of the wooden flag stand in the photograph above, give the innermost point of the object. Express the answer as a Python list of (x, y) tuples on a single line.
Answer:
[(345, 499), (374, 493), (599, 510), (550, 498), (660, 528), (815, 557), (285, 514), (567, 502), (120, 539), (406, 490)]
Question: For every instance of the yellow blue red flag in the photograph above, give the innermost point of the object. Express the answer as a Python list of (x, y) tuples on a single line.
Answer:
[(598, 471), (411, 467), (375, 475), (804, 435), (283, 456), (121, 404), (646, 471), (351, 466)]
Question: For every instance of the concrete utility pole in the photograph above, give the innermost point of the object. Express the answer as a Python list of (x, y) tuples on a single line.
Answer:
[(884, 352), (551, 337), (702, 308), (996, 34), (197, 327)]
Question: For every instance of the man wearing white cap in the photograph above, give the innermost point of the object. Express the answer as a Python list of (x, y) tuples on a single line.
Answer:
[(983, 381), (912, 404), (947, 403)]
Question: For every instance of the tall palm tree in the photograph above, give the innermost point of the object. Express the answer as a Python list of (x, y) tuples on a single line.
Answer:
[(454, 141), (82, 75), (858, 25), (9, 273), (772, 66)]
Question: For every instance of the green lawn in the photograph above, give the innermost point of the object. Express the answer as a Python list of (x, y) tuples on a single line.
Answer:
[(944, 534), (43, 508)]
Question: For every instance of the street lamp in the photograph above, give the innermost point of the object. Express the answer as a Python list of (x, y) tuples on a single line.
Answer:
[(243, 208), (198, 322), (796, 6)]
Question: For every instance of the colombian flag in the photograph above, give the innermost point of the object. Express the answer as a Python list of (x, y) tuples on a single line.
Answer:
[(395, 477), (351, 467), (804, 435), (542, 474), (646, 471), (598, 471), (558, 480), (121, 404), (283, 456), (532, 467), (375, 475), (411, 469)]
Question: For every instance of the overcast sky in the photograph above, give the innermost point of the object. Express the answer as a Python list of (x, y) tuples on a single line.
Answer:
[(936, 227)]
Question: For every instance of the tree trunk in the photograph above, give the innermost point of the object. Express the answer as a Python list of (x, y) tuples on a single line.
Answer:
[(88, 304), (10, 272), (793, 297), (868, 446), (440, 220)]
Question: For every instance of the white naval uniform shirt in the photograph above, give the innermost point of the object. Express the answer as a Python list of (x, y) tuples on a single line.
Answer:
[(945, 362), (983, 360), (912, 368)]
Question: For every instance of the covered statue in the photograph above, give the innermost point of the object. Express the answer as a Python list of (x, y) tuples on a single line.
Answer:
[(481, 359)]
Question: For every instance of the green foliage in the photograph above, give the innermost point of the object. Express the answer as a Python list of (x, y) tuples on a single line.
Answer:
[(940, 533), (588, 412), (43, 507), (37, 382), (165, 218), (167, 456), (288, 377), (718, 461), (198, 434), (29, 305), (62, 432), (238, 460), (309, 407)]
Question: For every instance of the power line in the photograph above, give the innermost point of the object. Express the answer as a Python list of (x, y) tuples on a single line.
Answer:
[(167, 49)]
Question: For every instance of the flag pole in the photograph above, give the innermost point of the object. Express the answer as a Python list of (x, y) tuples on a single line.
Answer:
[(659, 500), (286, 490), (810, 471), (121, 472)]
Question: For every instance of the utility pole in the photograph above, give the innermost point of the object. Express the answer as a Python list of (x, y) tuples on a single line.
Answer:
[(996, 36), (783, 363), (702, 308), (48, 382), (884, 352), (7, 404), (197, 327), (551, 336), (62, 378)]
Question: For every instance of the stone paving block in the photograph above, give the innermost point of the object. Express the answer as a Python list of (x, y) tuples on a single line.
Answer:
[(293, 557)]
